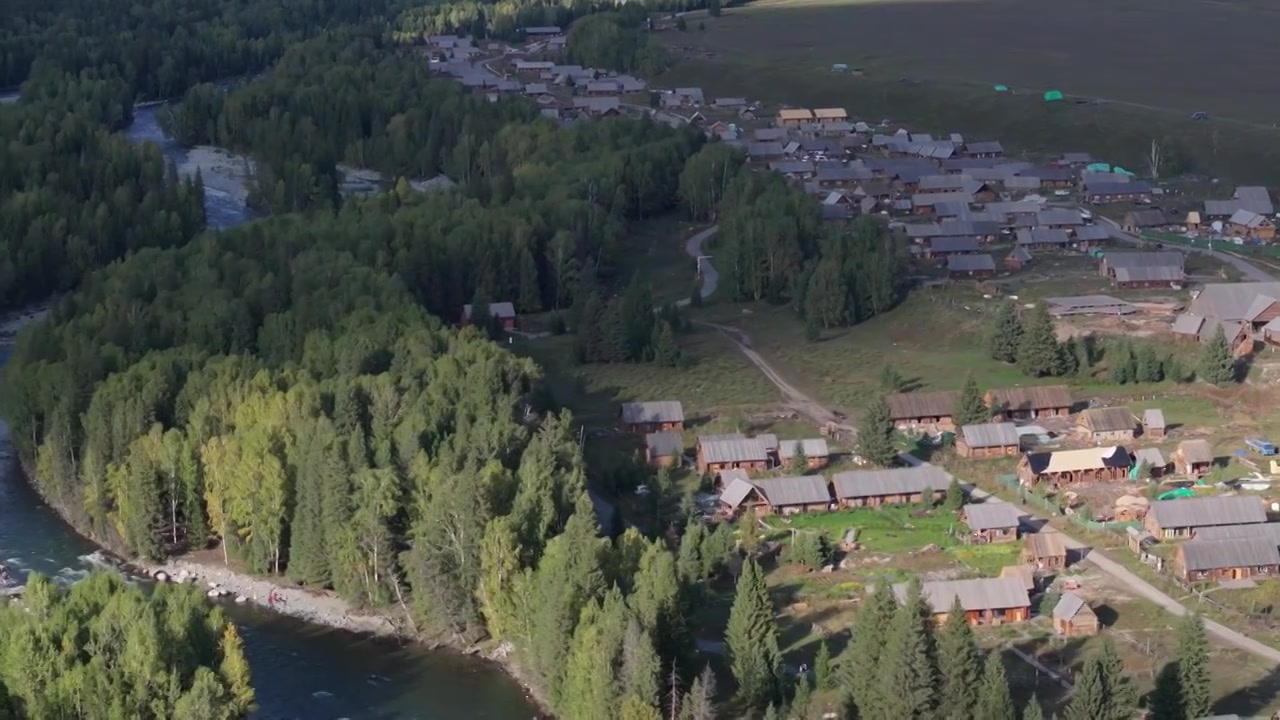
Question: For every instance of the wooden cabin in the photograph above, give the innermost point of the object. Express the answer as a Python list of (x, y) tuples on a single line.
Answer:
[(652, 417), (1181, 518), (1029, 403), (1153, 423), (1072, 617), (663, 449), (988, 440), (503, 312), (1045, 550), (1193, 457), (986, 601), (894, 486), (992, 521), (929, 411), (1107, 425), (1021, 572), (1234, 559), (1157, 464), (775, 496), (816, 452), (1071, 467), (731, 452)]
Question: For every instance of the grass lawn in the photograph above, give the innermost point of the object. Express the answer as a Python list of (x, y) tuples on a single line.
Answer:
[(655, 253), (934, 67), (886, 530)]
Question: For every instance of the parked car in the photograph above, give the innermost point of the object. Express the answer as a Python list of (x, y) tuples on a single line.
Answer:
[(1260, 446)]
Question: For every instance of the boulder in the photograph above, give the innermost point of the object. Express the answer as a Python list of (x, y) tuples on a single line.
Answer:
[(160, 576)]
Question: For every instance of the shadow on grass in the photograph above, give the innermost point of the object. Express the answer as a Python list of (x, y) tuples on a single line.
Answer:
[(1251, 700)]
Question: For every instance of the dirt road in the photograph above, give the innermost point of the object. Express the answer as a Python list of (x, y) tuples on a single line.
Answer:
[(1250, 271), (693, 248)]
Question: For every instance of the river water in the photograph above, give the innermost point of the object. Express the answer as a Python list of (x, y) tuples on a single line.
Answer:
[(299, 670)]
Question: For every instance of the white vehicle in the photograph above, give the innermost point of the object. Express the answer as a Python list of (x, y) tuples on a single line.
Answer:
[(1085, 214)]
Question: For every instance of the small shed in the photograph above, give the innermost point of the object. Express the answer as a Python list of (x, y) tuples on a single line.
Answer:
[(1018, 258), (663, 449), (1107, 425), (816, 452), (1045, 550), (974, 266), (1022, 572), (504, 313), (1157, 464), (1072, 617), (1153, 425), (993, 521), (988, 440), (1193, 457), (650, 417)]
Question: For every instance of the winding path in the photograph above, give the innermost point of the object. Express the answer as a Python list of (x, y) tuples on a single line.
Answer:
[(824, 416), (693, 247)]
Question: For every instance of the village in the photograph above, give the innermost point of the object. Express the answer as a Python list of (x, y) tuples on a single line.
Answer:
[(1185, 508)]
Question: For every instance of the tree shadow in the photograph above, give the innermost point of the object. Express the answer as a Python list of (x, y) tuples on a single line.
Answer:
[(1251, 700), (1107, 615)]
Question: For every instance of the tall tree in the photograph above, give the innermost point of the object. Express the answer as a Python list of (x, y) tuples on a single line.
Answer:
[(908, 669), (1033, 711), (1038, 353), (823, 675), (959, 666), (699, 702), (1006, 334), (752, 638), (994, 701), (876, 440), (862, 658), (972, 408), (1217, 366), (1193, 667)]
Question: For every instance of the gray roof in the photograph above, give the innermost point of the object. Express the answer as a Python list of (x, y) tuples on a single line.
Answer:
[(1165, 258), (1021, 254), (798, 490), (1107, 419), (1151, 456), (1230, 301), (1043, 236), (764, 134), (923, 230), (497, 309), (1196, 451), (895, 481), (991, 515), (930, 199), (1153, 418), (968, 227), (598, 104), (1058, 216), (1223, 208), (1145, 218), (740, 450), (1247, 219), (971, 263), (1268, 530), (764, 149), (1092, 232), (984, 148), (1237, 552), (1255, 199), (664, 444), (937, 403), (1161, 273), (653, 412), (990, 435), (841, 174), (979, 594), (1075, 158), (736, 491), (1111, 187), (813, 447), (954, 244), (1068, 605), (1208, 511), (1187, 324), (790, 167), (1022, 182)]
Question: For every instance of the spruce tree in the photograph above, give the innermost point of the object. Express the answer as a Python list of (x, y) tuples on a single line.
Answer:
[(1089, 701), (1038, 354), (1084, 357), (803, 697), (955, 496), (1033, 711), (860, 660), (1193, 667), (1006, 334), (689, 562), (908, 670), (1217, 366), (1119, 690), (615, 341), (663, 346), (823, 677), (752, 639), (959, 666), (1120, 360), (972, 407), (994, 701), (876, 435), (799, 460), (891, 380), (640, 665), (587, 331), (699, 702)]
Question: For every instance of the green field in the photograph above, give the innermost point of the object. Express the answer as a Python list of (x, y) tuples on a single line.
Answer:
[(933, 66)]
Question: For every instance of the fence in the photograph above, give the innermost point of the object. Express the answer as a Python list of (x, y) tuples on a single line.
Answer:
[(1224, 245), (1051, 507)]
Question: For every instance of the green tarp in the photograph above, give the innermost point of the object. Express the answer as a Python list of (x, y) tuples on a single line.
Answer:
[(1122, 171), (1053, 95), (1002, 88), (1098, 167), (1179, 493)]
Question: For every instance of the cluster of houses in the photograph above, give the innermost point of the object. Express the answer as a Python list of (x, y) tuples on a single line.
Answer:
[(934, 412), (1249, 215), (1247, 313)]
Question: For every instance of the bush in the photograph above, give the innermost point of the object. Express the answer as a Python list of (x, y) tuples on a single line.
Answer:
[(809, 549)]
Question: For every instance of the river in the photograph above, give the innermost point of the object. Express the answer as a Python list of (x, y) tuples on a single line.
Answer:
[(299, 670)]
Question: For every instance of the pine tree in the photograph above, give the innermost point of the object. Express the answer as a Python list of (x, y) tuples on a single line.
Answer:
[(1049, 601), (1033, 711), (891, 380), (908, 670), (1089, 701), (859, 662), (955, 496), (699, 702), (876, 435), (1038, 345), (1193, 667), (824, 299), (587, 682), (972, 407), (1217, 366), (530, 298), (587, 341), (1007, 333), (799, 460), (663, 346), (994, 701), (640, 665), (1121, 363), (235, 671), (1148, 365), (823, 676), (958, 665), (1119, 689), (615, 343), (748, 533), (689, 562), (752, 639)]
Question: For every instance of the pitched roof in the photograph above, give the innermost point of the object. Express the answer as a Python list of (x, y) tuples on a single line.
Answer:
[(798, 490), (498, 309), (664, 444), (1036, 397), (1059, 216), (988, 435), (1110, 419), (1092, 233), (1255, 199), (1236, 552), (1145, 218), (1113, 187), (658, 411), (812, 447), (795, 114), (1022, 572), (1083, 459), (830, 113), (736, 491), (970, 263), (737, 450), (1151, 456), (1069, 605), (921, 404), (952, 226), (1046, 543), (1208, 511), (991, 515), (1153, 418), (1021, 254), (984, 148), (1164, 258), (1159, 273), (1187, 324), (894, 481), (1195, 451), (978, 594), (1230, 301), (1268, 530), (1043, 236), (1246, 218)]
